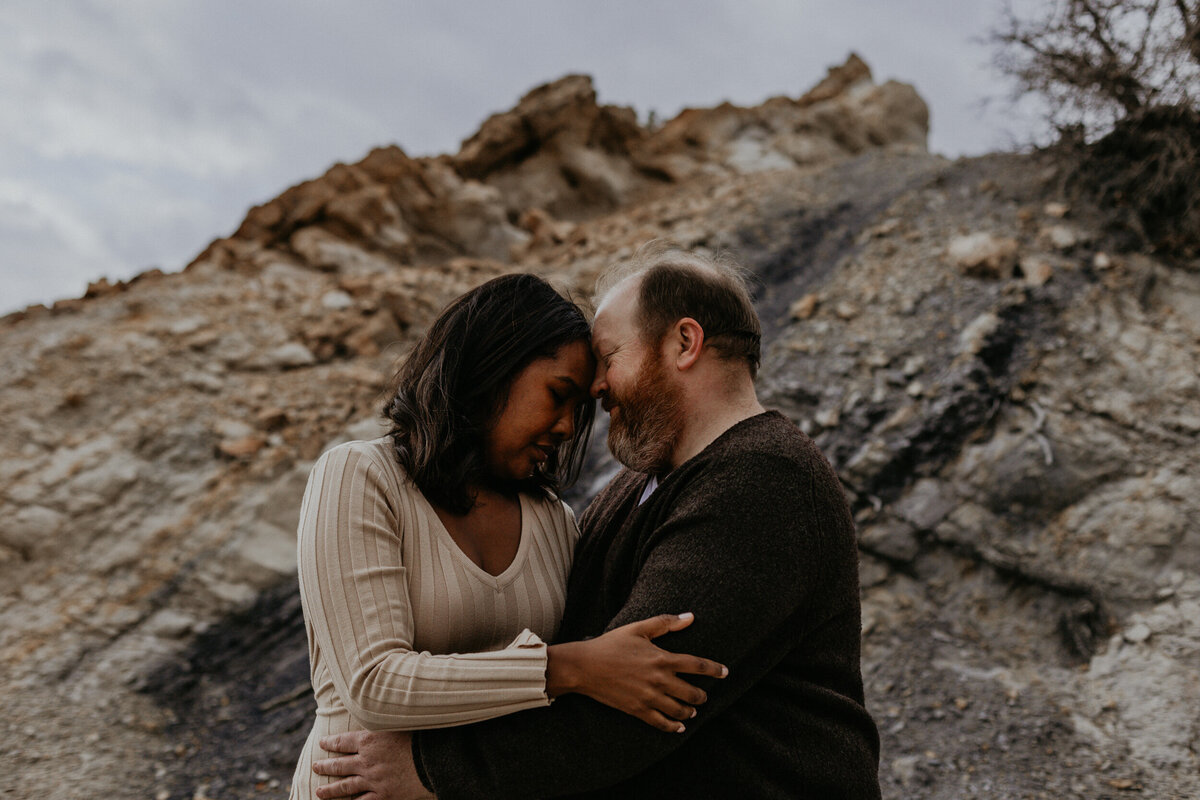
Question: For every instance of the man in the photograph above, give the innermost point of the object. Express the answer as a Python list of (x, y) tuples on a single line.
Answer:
[(724, 510)]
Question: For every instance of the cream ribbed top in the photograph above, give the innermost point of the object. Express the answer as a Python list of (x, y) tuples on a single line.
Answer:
[(405, 631)]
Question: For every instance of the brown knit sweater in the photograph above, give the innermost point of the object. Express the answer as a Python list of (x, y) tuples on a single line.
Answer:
[(754, 536)]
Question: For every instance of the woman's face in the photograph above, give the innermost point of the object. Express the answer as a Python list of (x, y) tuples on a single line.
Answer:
[(540, 412)]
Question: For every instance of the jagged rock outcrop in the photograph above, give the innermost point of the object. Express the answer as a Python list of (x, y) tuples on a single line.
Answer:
[(1011, 403)]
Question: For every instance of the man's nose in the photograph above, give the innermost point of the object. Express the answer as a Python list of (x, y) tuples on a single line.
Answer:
[(599, 385)]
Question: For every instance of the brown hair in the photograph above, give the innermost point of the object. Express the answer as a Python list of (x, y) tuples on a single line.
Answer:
[(675, 283)]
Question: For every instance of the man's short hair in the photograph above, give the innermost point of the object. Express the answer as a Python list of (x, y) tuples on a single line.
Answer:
[(675, 283)]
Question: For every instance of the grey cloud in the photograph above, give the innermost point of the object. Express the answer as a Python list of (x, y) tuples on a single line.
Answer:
[(161, 123)]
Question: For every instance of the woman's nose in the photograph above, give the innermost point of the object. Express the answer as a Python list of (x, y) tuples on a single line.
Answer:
[(565, 425)]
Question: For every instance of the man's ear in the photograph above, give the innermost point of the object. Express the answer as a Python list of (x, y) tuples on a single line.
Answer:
[(689, 340)]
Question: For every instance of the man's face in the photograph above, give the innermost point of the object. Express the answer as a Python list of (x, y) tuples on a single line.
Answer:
[(644, 403)]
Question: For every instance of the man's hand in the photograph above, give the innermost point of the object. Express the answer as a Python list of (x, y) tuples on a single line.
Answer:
[(374, 765)]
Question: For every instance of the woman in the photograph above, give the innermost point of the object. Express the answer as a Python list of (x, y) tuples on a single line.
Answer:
[(433, 561)]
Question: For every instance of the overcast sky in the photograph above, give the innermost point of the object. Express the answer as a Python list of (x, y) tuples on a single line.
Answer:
[(133, 132)]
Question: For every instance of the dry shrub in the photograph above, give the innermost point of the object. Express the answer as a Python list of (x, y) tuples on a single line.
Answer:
[(1147, 170), (1121, 82)]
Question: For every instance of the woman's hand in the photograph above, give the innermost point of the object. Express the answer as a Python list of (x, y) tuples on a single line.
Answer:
[(623, 669)]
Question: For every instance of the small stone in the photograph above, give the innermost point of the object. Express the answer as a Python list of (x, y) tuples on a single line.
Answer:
[(885, 228), (900, 417), (546, 228), (169, 624), (202, 340), (913, 365), (288, 356), (272, 419), (975, 335), (1062, 237), (878, 358), (915, 389), (827, 418), (1137, 633), (905, 769), (846, 310), (228, 428), (1102, 261), (892, 539), (336, 300), (1056, 210), (377, 332), (804, 308), (983, 255), (1036, 271), (32, 527), (243, 447), (926, 504), (203, 381), (364, 375)]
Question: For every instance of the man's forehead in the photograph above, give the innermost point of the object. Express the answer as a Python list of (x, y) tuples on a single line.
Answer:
[(617, 306)]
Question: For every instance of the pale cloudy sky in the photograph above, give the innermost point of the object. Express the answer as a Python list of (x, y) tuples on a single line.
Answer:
[(133, 132)]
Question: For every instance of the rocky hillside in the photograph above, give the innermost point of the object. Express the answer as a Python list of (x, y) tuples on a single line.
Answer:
[(1012, 404)]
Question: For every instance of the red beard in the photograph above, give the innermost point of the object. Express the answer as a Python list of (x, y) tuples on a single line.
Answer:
[(647, 420)]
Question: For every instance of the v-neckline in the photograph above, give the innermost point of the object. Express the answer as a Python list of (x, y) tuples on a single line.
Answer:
[(508, 573)]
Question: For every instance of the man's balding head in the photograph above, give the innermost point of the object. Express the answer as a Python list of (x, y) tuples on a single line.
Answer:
[(670, 283)]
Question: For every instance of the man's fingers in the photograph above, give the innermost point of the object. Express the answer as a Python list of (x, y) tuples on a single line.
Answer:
[(337, 767), (347, 787), (348, 743)]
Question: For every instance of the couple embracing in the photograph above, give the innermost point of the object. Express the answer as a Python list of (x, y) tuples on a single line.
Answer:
[(469, 640)]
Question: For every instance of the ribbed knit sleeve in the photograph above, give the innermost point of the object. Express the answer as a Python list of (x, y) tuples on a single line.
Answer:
[(355, 589)]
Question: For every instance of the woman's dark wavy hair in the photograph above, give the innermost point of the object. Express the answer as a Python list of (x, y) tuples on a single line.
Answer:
[(456, 380)]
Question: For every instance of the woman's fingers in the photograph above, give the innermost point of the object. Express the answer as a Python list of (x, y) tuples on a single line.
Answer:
[(663, 624), (672, 709), (695, 665), (682, 691), (659, 720), (653, 627)]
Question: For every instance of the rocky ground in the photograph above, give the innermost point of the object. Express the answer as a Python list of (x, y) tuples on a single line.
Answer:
[(1011, 400)]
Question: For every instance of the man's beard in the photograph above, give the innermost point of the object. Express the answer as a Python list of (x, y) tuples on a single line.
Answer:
[(643, 432)]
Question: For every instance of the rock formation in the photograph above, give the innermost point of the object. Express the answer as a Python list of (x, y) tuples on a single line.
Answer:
[(1012, 405)]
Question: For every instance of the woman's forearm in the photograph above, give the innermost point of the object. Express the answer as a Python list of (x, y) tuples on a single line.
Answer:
[(566, 668)]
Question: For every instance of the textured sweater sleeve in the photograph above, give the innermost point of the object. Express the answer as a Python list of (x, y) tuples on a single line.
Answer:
[(741, 550), (355, 594)]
